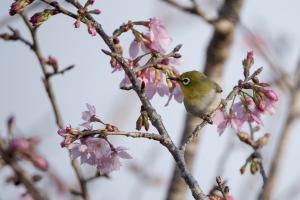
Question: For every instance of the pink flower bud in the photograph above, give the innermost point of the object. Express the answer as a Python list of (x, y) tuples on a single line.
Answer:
[(92, 30), (52, 60), (261, 106), (19, 144), (77, 23), (250, 55), (40, 17), (18, 6), (90, 2), (39, 162), (96, 11), (271, 95)]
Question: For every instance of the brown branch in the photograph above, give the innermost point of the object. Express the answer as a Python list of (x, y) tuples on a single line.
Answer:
[(104, 133), (49, 90), (256, 152), (216, 56), (60, 72), (22, 175), (282, 144), (193, 9)]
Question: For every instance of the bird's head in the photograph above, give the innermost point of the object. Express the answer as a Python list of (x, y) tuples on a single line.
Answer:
[(190, 81)]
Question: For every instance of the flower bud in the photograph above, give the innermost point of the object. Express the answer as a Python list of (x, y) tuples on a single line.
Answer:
[(19, 144), (92, 29), (77, 23), (263, 140), (10, 124), (243, 169), (53, 62), (96, 11), (245, 137), (271, 95), (253, 167), (18, 6), (90, 2), (39, 162), (40, 17), (249, 61), (139, 123)]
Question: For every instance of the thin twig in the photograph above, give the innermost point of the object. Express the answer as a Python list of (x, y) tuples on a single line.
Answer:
[(221, 187), (105, 133), (194, 134), (258, 156), (22, 175), (193, 9), (282, 144), (60, 72), (49, 90)]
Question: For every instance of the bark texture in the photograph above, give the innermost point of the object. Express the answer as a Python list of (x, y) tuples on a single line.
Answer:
[(217, 53)]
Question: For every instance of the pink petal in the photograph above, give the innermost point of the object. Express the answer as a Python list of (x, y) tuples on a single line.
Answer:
[(124, 155), (134, 49), (150, 90)]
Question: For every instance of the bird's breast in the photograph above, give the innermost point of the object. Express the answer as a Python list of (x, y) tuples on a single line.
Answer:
[(200, 106)]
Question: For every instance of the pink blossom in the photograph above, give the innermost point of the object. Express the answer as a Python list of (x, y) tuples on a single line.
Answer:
[(97, 151), (111, 161), (63, 131), (265, 100), (68, 134), (247, 110), (222, 120), (88, 116), (134, 48), (158, 35), (154, 40)]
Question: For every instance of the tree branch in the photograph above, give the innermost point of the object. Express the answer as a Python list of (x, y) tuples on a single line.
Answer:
[(22, 175), (216, 55), (49, 90)]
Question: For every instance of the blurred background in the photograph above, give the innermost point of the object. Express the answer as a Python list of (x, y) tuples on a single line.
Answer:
[(274, 24)]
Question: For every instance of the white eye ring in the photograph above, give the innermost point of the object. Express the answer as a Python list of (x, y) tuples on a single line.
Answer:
[(186, 81)]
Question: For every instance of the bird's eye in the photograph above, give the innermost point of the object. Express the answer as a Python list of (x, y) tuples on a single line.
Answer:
[(185, 81)]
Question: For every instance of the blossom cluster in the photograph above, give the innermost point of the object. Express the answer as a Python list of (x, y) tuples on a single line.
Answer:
[(256, 99), (92, 150), (82, 13), (151, 42)]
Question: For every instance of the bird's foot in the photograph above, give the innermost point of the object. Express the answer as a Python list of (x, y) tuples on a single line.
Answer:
[(207, 118)]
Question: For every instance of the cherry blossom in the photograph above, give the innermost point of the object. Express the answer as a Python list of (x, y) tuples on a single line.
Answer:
[(88, 116)]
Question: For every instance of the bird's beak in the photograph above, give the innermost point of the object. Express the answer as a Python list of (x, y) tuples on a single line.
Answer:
[(174, 78)]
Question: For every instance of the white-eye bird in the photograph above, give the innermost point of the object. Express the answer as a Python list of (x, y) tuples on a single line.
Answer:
[(202, 95)]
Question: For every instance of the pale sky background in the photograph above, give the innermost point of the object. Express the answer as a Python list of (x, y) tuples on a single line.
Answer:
[(91, 81)]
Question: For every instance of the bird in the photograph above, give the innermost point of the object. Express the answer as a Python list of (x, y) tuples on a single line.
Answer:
[(201, 95)]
